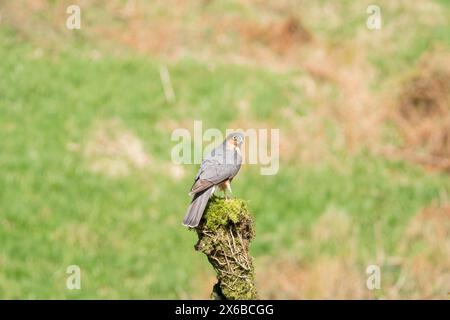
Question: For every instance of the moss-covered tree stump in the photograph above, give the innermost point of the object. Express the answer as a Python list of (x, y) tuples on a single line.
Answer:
[(224, 235)]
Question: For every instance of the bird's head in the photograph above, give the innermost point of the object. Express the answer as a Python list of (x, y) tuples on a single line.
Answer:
[(235, 139)]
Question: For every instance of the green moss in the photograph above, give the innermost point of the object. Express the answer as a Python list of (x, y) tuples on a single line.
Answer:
[(240, 288), (220, 212), (224, 237)]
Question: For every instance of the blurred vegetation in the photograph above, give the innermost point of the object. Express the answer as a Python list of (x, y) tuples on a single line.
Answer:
[(86, 176)]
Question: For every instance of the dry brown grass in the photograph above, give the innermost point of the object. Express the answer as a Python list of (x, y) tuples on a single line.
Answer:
[(325, 278), (277, 36), (347, 115), (426, 271), (354, 110), (333, 225), (422, 112), (113, 150), (423, 263)]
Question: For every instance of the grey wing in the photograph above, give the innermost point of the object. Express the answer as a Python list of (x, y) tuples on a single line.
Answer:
[(213, 171), (206, 170)]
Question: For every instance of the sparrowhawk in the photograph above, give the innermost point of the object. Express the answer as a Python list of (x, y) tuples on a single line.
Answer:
[(216, 170)]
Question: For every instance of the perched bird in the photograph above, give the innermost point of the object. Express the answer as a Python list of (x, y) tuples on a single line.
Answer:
[(216, 170)]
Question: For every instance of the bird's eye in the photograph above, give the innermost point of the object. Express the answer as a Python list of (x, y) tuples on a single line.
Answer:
[(234, 138)]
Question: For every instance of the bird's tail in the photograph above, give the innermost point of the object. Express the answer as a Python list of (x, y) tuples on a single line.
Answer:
[(195, 211)]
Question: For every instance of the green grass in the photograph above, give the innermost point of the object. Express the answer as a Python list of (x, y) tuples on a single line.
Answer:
[(125, 233)]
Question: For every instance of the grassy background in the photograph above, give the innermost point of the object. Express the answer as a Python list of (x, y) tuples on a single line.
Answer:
[(72, 192)]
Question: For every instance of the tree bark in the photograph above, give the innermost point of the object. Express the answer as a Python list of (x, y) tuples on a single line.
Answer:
[(224, 236)]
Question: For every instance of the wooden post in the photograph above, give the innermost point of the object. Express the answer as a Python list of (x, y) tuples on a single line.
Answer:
[(224, 235)]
